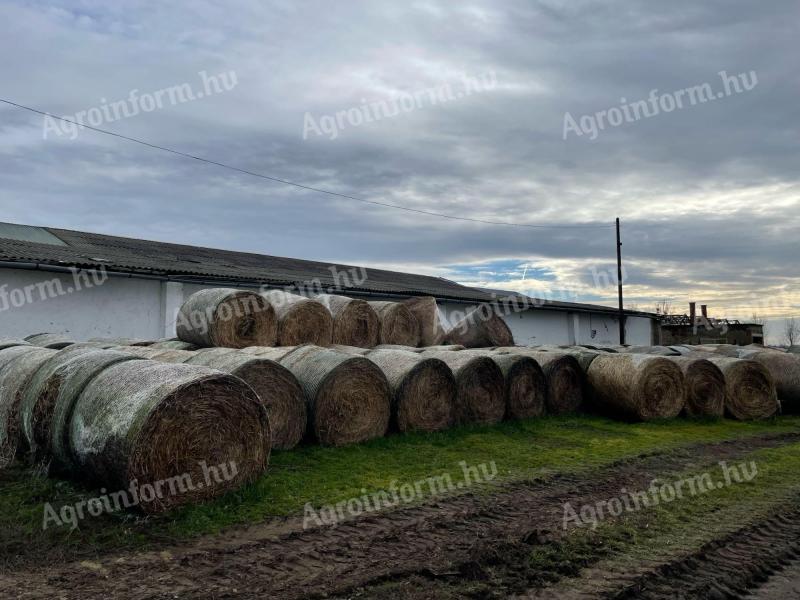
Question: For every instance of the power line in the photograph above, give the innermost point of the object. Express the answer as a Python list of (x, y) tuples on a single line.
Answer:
[(295, 184)]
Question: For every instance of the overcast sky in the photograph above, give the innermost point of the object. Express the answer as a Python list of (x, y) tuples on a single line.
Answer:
[(708, 192)]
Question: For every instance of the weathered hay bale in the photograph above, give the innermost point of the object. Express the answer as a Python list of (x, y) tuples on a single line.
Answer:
[(749, 388), (705, 386), (423, 390), (273, 353), (147, 421), (123, 341), (278, 389), (525, 385), (566, 379), (638, 386), (426, 312), (443, 348), (355, 322), (349, 400), (170, 345), (226, 317), (399, 326), (350, 349), (173, 356), (480, 383), (63, 390), (300, 320), (481, 328), (54, 341), (11, 342), (785, 371), (142, 351), (398, 347), (655, 350), (37, 403), (17, 364)]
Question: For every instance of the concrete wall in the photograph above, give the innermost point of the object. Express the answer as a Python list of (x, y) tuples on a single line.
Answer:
[(86, 306)]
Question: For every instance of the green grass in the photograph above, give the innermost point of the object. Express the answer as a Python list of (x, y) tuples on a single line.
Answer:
[(521, 449)]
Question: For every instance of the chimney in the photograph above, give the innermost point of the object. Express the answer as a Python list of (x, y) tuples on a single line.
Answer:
[(692, 312), (704, 310)]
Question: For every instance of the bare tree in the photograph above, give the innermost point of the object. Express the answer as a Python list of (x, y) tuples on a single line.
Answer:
[(757, 319), (791, 332), (664, 307)]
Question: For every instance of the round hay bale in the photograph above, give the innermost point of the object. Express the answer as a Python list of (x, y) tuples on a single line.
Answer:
[(426, 312), (423, 390), (301, 320), (398, 347), (749, 388), (638, 386), (355, 323), (17, 364), (173, 356), (226, 317), (11, 342), (170, 345), (442, 348), (705, 386), (348, 397), (278, 389), (142, 351), (350, 350), (566, 379), (525, 385), (480, 385), (273, 353), (481, 328), (398, 324), (54, 341), (149, 422), (785, 371), (655, 350), (63, 389), (123, 341), (37, 403)]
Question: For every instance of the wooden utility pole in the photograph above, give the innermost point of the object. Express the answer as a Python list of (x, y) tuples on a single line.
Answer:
[(619, 288)]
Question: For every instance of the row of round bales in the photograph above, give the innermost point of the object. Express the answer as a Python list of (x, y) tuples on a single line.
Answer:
[(222, 317)]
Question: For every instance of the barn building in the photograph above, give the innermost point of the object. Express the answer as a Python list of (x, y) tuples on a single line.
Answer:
[(88, 285)]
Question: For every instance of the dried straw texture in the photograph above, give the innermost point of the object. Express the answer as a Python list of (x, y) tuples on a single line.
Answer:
[(170, 345), (123, 341), (10, 343), (142, 351), (525, 385), (398, 347), (481, 328), (278, 389), (637, 386), (480, 385), (785, 371), (17, 364), (398, 324), (349, 400), (65, 387), (148, 422), (423, 390), (350, 350), (749, 388), (54, 341), (38, 402), (443, 348), (276, 353), (355, 323), (426, 312), (705, 386), (566, 380), (226, 317), (301, 320), (655, 350)]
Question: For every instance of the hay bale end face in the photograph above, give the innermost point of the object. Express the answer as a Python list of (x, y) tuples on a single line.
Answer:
[(785, 371), (398, 324), (480, 384), (565, 379), (638, 386), (426, 312), (300, 320), (226, 317), (750, 389), (423, 390), (17, 365), (525, 385), (275, 385), (355, 323), (482, 328), (149, 422), (705, 386), (349, 400)]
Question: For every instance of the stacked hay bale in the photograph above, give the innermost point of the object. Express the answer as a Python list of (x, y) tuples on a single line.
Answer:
[(705, 386), (301, 320), (226, 317), (53, 341), (564, 375), (170, 345), (525, 385), (423, 390), (426, 312), (149, 422), (398, 324), (10, 342), (480, 384), (785, 370), (637, 386), (750, 389), (123, 341), (482, 328), (355, 323), (17, 364)]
